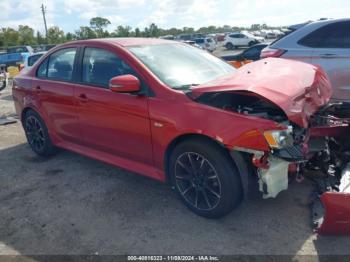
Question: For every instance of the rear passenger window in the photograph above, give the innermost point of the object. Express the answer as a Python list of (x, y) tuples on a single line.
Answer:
[(61, 64), (336, 35), (100, 65)]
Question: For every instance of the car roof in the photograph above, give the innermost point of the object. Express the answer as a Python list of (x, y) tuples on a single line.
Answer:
[(291, 40), (328, 21), (127, 41), (38, 53)]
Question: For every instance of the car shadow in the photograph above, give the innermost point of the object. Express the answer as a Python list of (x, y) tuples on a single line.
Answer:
[(70, 204)]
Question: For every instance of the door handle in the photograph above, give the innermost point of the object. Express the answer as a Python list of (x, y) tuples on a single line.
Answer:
[(328, 56), (38, 89), (83, 98)]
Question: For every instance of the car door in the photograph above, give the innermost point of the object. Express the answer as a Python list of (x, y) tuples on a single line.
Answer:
[(233, 38), (332, 52), (114, 123), (55, 85), (243, 40)]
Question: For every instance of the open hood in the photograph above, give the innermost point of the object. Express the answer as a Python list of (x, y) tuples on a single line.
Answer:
[(299, 89)]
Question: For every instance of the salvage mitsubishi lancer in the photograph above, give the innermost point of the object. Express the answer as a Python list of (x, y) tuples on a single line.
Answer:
[(176, 113)]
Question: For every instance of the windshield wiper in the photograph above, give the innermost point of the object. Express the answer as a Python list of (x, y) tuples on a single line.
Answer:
[(184, 87)]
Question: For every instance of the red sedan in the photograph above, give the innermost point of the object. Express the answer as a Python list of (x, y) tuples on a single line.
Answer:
[(175, 113)]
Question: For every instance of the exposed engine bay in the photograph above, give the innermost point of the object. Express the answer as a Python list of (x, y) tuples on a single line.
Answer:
[(320, 152), (245, 103)]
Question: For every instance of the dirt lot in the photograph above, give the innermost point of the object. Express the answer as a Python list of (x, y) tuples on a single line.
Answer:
[(70, 204)]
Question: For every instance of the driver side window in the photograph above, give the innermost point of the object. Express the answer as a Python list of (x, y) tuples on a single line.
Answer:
[(100, 65)]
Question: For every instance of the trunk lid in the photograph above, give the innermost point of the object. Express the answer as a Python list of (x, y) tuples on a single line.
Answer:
[(299, 89)]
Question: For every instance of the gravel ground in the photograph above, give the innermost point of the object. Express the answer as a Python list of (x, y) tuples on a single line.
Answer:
[(70, 204)]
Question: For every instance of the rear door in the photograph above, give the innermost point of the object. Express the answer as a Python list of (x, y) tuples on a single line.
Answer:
[(55, 85), (113, 123), (331, 50)]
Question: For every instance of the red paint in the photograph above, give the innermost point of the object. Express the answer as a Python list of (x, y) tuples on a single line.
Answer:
[(337, 214), (261, 162), (134, 132), (298, 88), (125, 84)]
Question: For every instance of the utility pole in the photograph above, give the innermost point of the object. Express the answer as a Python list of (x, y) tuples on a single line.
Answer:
[(43, 10)]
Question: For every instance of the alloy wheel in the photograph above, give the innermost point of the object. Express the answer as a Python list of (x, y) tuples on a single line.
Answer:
[(197, 181), (35, 133)]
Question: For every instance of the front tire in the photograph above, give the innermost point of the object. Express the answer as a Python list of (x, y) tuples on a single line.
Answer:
[(37, 135), (205, 178)]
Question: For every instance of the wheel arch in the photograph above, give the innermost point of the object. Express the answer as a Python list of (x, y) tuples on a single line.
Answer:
[(237, 159), (27, 109)]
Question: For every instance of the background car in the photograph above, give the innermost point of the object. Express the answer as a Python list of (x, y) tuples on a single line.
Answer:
[(31, 59), (252, 53), (206, 43), (235, 40), (325, 43), (15, 55)]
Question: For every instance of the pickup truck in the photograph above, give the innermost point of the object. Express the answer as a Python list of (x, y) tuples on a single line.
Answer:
[(15, 55)]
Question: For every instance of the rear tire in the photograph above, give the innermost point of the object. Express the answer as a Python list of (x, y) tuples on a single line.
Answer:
[(251, 43), (229, 46), (205, 178), (37, 134)]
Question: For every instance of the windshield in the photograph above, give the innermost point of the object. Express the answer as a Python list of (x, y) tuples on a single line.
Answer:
[(181, 66)]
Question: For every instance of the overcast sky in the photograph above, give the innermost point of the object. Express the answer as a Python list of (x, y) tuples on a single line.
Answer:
[(70, 14)]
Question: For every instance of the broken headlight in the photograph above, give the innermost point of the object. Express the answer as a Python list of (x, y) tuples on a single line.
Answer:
[(279, 138)]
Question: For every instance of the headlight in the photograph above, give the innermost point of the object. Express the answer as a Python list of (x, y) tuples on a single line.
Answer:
[(279, 138)]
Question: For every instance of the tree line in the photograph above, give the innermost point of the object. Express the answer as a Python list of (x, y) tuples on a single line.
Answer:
[(25, 35)]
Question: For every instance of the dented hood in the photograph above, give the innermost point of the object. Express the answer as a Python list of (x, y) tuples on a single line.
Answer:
[(299, 89)]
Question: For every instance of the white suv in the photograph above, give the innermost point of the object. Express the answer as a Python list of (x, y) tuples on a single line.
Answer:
[(234, 40), (325, 43)]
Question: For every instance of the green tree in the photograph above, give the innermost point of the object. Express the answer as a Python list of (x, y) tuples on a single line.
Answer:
[(154, 31), (55, 35), (40, 39), (137, 32), (98, 24), (122, 31), (85, 32), (69, 36), (188, 30), (10, 36), (26, 35)]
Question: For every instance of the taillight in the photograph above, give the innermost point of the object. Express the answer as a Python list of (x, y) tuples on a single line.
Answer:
[(271, 52)]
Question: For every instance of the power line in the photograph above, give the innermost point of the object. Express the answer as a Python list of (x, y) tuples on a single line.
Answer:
[(43, 10)]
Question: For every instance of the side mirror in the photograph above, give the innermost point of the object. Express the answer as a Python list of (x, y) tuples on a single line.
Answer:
[(125, 84)]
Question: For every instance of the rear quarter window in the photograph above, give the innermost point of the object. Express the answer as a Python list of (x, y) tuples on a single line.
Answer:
[(336, 35)]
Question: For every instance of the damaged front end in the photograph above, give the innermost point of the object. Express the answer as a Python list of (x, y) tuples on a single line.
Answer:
[(311, 142)]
